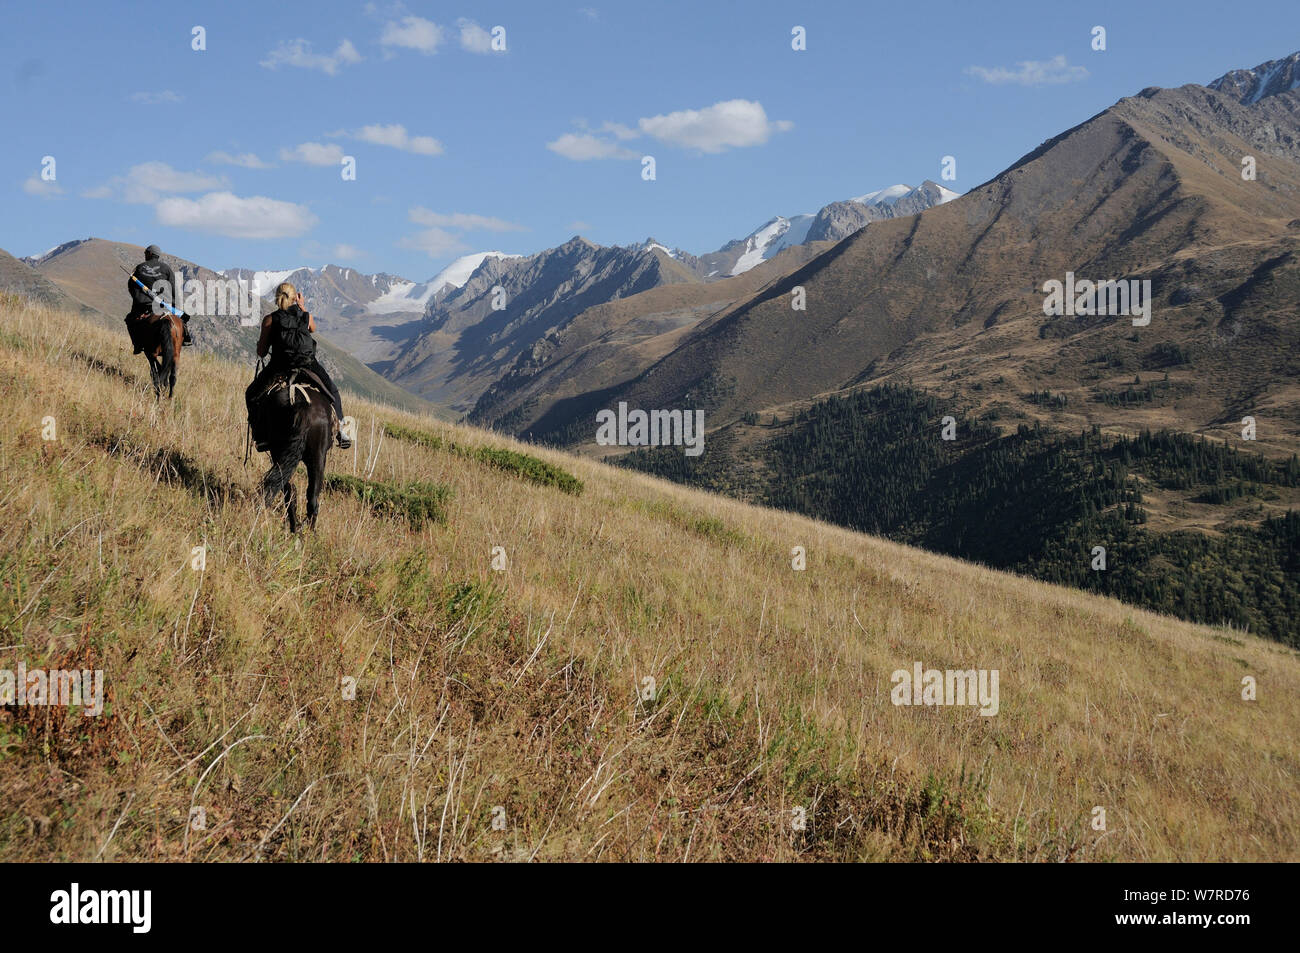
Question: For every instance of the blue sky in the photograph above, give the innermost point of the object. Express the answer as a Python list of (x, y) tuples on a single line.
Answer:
[(461, 148)]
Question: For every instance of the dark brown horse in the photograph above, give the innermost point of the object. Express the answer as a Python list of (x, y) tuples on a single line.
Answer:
[(294, 418), (162, 334)]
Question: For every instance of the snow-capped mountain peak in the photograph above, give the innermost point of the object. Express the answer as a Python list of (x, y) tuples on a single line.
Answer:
[(412, 296), (460, 270), (833, 222), (264, 283), (43, 256), (650, 244), (1249, 86), (883, 196), (904, 196), (770, 239)]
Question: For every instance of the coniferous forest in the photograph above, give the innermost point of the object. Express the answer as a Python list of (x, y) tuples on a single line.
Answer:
[(1036, 501)]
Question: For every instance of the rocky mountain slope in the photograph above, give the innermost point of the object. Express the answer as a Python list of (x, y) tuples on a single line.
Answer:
[(611, 343), (1268, 79), (473, 334), (19, 278), (1151, 189), (372, 316), (450, 364)]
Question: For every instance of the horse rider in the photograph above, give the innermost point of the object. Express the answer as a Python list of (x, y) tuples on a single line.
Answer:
[(152, 280), (287, 334)]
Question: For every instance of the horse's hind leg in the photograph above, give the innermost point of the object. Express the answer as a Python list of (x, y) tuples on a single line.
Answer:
[(277, 487), (315, 477), (155, 376), (167, 373), (291, 504)]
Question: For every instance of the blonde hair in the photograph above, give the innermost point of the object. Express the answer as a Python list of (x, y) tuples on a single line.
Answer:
[(285, 295)]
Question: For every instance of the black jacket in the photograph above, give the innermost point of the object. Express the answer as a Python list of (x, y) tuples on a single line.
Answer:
[(152, 274)]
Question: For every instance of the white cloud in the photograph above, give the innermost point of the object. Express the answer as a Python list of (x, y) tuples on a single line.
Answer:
[(223, 213), (434, 242), (149, 181), (1032, 72), (298, 53), (423, 216), (473, 37), (314, 153), (584, 146), (152, 98), (619, 130), (412, 33), (347, 251), (396, 136), (245, 160), (591, 13), (146, 180), (437, 242), (41, 188), (735, 123)]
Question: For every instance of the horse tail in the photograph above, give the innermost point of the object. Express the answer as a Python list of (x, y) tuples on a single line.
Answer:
[(286, 456), (168, 360)]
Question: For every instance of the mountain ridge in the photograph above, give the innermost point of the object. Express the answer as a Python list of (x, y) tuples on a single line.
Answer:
[(87, 275), (1155, 191)]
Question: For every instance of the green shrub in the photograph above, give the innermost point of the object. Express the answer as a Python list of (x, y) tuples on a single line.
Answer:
[(511, 461), (432, 441), (420, 503), (529, 468)]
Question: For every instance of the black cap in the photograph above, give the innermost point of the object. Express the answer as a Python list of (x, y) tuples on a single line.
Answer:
[(153, 251)]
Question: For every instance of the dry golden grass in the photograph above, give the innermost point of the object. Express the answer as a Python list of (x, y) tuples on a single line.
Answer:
[(514, 695)]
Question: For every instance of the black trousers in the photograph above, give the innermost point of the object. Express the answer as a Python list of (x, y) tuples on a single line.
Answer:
[(262, 380), (133, 328)]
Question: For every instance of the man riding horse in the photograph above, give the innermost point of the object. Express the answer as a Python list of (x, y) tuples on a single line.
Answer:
[(152, 281), (287, 335)]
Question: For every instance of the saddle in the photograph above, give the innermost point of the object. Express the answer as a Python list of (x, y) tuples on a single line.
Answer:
[(138, 324), (298, 381)]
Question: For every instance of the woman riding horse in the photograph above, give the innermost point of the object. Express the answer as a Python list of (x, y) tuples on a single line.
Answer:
[(287, 334), (291, 410)]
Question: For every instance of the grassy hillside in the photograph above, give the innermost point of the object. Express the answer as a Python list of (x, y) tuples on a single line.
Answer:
[(17, 277), (521, 695)]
